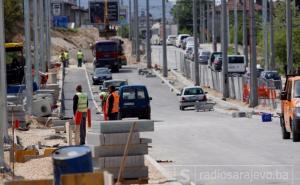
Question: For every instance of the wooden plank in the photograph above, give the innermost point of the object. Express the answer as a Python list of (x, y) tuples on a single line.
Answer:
[(95, 178), (20, 155), (49, 151), (123, 126), (31, 182), (118, 150)]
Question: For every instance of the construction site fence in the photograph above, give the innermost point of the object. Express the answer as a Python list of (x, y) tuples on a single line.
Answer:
[(239, 85)]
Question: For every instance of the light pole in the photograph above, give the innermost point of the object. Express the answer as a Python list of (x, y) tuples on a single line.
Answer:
[(137, 32), (214, 41), (245, 32), (265, 31), (36, 42), (42, 35), (253, 76), (272, 58), (289, 37), (195, 31), (224, 50), (235, 28), (28, 75), (149, 65), (165, 62)]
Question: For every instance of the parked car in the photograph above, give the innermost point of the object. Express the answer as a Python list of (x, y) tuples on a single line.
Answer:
[(187, 41), (116, 83), (204, 57), (180, 38), (217, 64), (190, 95), (272, 75), (134, 102), (188, 51), (290, 110), (171, 40), (212, 58), (236, 64), (100, 75)]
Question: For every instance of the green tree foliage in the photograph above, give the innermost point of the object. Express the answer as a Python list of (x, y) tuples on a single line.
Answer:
[(183, 14), (123, 31), (13, 17)]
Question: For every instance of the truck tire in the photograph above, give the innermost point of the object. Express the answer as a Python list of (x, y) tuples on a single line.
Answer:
[(296, 136), (285, 134)]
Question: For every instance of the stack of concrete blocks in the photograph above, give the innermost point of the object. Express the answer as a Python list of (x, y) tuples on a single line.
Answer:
[(16, 112), (107, 141)]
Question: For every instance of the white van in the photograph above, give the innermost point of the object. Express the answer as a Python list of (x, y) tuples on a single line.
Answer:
[(236, 64), (180, 38)]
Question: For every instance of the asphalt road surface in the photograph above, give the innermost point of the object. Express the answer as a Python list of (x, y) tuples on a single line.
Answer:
[(212, 148)]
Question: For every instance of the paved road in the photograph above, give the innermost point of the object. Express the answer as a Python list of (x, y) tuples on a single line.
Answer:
[(214, 148)]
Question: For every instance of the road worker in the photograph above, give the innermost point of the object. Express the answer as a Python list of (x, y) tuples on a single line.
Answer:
[(67, 57), (112, 104), (80, 109), (62, 58), (103, 98), (80, 58)]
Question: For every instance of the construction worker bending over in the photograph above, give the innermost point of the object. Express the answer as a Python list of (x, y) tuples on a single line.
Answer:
[(103, 98), (80, 109), (112, 104), (79, 58)]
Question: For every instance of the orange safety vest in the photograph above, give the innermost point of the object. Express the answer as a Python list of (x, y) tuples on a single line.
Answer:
[(115, 104)]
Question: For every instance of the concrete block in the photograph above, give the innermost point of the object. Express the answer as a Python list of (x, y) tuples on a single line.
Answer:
[(124, 126), (118, 150), (130, 173), (239, 114), (115, 162), (41, 108), (99, 139), (15, 108)]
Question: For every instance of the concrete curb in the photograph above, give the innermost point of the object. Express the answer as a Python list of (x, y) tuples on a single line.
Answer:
[(163, 171)]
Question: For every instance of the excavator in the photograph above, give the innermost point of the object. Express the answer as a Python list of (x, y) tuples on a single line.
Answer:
[(109, 30)]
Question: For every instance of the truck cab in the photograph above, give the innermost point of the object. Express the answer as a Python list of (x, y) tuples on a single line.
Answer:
[(290, 108), (134, 102)]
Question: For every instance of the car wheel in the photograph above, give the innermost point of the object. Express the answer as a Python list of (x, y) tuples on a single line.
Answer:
[(296, 136), (94, 83), (181, 108), (285, 134)]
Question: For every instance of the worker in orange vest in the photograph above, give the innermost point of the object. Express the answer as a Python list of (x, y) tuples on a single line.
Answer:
[(80, 110), (112, 104)]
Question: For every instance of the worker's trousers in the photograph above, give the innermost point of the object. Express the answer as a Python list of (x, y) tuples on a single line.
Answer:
[(79, 62), (83, 128), (113, 116)]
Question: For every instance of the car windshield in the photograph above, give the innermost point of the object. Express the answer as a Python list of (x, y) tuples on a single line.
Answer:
[(184, 37), (114, 83), (205, 53), (193, 91), (236, 60), (101, 71), (272, 75), (215, 55), (106, 46), (297, 89)]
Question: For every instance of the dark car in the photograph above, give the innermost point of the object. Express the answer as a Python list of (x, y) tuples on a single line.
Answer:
[(100, 75), (204, 57), (217, 64), (272, 76), (116, 83), (134, 102), (107, 55), (212, 58)]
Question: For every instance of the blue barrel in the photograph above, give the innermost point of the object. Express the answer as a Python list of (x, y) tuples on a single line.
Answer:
[(71, 159)]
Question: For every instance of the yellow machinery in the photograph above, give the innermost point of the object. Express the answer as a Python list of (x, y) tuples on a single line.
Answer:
[(108, 31)]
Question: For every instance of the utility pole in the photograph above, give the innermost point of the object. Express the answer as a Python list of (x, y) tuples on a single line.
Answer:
[(228, 25), (253, 76), (47, 27), (265, 31), (245, 32), (289, 37), (201, 5), (235, 28), (165, 62), (224, 50), (42, 36), (208, 39), (195, 32), (137, 32), (3, 104), (272, 58), (28, 58), (36, 43), (149, 65), (214, 41), (129, 21), (80, 13)]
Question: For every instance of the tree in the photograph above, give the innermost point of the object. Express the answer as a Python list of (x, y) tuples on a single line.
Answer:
[(183, 14), (13, 18)]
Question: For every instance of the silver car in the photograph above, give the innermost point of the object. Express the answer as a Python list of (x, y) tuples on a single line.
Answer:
[(190, 95)]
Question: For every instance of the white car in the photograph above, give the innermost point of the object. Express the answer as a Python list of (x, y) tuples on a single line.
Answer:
[(171, 40), (180, 38), (190, 95), (188, 41), (188, 51)]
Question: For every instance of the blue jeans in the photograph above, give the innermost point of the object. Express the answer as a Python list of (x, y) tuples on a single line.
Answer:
[(83, 128)]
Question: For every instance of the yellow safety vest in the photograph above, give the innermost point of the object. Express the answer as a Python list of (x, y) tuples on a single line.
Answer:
[(82, 102), (67, 55), (79, 55)]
